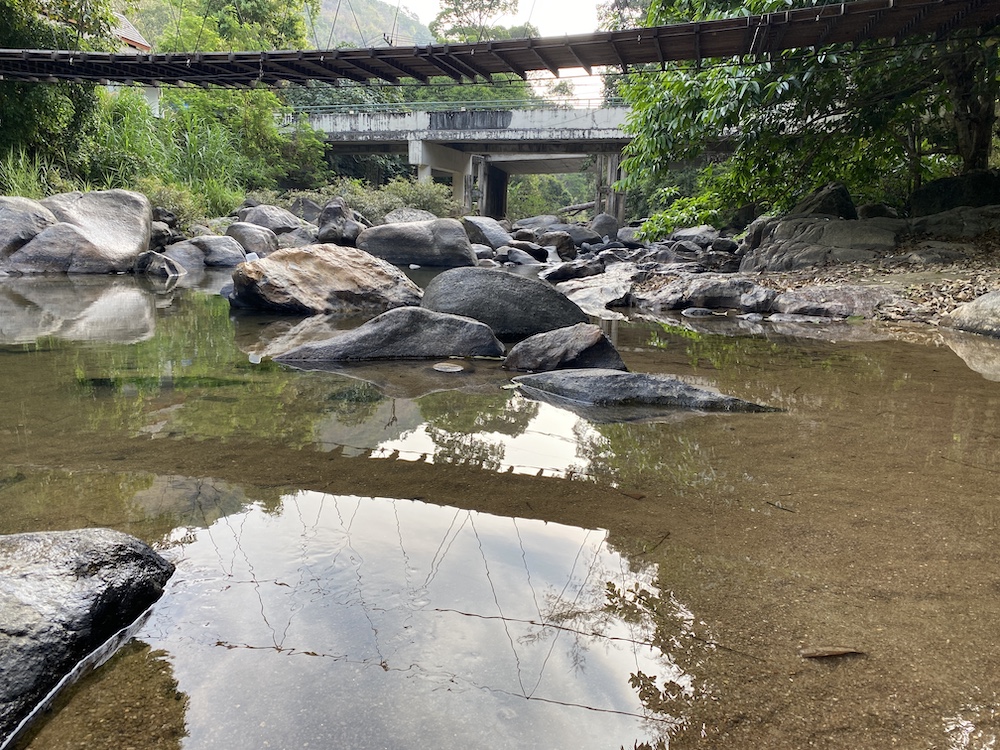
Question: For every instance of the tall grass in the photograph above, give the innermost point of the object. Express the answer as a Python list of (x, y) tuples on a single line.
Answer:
[(25, 174)]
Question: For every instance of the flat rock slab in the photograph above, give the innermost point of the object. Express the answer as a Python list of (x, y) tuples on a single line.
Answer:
[(62, 595), (614, 388), (403, 333)]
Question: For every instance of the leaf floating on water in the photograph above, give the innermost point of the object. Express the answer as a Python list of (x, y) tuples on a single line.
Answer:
[(826, 652)]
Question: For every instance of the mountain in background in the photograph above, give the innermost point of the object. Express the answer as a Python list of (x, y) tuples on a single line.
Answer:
[(340, 23), (365, 23)]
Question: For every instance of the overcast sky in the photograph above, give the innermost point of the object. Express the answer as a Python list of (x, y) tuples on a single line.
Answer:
[(551, 17)]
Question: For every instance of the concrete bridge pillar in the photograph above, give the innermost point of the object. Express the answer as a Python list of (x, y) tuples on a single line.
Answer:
[(608, 200), (430, 157), (493, 190)]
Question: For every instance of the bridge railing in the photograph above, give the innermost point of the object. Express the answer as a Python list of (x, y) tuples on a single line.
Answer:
[(503, 104)]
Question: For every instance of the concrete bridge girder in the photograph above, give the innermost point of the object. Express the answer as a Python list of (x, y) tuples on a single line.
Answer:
[(503, 142)]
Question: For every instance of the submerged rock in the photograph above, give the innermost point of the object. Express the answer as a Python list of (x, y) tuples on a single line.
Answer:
[(579, 346), (403, 333), (615, 388), (62, 595), (515, 307), (321, 279)]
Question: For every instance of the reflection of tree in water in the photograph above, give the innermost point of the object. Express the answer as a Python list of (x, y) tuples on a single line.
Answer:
[(132, 701), (458, 423), (659, 626), (353, 402), (466, 450), (633, 452), (454, 411), (190, 379)]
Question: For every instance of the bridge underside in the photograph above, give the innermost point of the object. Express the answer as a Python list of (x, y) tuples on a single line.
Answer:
[(849, 23)]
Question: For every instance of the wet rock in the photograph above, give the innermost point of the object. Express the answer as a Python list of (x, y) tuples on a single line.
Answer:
[(278, 220), (20, 220), (981, 315), (515, 307), (321, 279), (253, 238), (338, 224), (438, 243), (580, 346), (62, 595), (486, 231), (98, 232), (834, 301), (483, 252), (403, 333), (615, 388)]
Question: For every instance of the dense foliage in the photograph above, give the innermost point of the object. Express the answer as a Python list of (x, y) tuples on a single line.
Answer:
[(880, 118)]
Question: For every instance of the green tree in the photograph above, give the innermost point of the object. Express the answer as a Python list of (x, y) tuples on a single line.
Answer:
[(472, 20), (880, 119), (50, 120)]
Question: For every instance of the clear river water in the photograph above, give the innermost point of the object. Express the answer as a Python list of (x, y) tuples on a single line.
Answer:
[(388, 556)]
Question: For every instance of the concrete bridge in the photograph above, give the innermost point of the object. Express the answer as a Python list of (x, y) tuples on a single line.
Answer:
[(480, 148)]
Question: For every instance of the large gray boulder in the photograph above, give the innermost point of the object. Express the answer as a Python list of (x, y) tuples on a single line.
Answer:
[(579, 346), (515, 307), (982, 315), (605, 225), (275, 218), (62, 595), (403, 333), (20, 220), (321, 279), (615, 388), (206, 250), (438, 242), (253, 238), (486, 231), (804, 242), (98, 232)]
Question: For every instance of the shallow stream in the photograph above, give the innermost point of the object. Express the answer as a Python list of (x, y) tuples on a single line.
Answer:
[(395, 557)]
